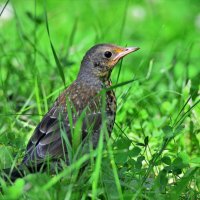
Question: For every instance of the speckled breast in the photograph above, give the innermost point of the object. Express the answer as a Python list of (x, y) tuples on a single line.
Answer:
[(111, 107)]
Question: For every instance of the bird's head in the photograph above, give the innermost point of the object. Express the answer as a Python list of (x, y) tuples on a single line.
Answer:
[(101, 59)]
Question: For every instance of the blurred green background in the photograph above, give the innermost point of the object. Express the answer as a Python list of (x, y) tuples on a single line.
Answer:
[(166, 69)]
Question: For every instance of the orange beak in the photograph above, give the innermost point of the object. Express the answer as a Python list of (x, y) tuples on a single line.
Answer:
[(124, 52)]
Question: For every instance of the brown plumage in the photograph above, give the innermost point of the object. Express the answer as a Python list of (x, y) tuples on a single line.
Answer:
[(81, 96)]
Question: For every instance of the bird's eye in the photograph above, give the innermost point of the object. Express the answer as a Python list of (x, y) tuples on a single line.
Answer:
[(107, 54)]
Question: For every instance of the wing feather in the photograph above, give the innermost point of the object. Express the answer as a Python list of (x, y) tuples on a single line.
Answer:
[(47, 140)]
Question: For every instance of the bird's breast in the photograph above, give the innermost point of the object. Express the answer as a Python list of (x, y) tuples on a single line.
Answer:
[(111, 107)]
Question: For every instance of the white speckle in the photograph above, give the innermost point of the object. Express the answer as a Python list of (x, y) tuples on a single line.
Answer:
[(197, 21), (138, 12), (85, 130), (7, 13)]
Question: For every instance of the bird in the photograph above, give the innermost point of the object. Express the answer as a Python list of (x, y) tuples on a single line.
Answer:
[(80, 99)]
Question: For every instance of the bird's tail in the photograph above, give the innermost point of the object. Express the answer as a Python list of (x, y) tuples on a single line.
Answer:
[(13, 173), (20, 171)]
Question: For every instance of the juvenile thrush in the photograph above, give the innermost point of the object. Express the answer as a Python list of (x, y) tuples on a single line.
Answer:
[(82, 96)]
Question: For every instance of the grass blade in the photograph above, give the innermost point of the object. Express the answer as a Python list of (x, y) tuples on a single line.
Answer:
[(58, 64), (4, 7), (176, 191), (37, 95)]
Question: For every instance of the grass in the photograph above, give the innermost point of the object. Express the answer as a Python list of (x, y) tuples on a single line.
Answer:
[(154, 152)]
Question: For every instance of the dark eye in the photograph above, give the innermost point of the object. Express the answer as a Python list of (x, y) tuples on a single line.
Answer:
[(107, 54)]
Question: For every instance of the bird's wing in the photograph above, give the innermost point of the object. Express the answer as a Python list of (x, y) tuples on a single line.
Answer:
[(47, 141)]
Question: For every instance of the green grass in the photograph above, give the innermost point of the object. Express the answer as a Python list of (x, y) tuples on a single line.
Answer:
[(154, 152)]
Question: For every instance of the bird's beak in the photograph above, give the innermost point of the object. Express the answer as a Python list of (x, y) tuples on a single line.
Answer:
[(125, 51)]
